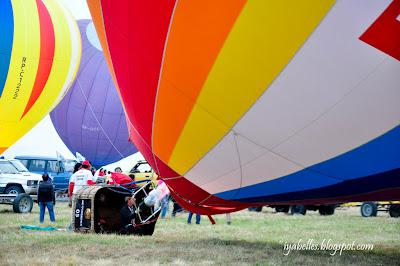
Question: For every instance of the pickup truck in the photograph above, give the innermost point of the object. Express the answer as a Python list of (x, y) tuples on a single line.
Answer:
[(16, 179), (17, 185)]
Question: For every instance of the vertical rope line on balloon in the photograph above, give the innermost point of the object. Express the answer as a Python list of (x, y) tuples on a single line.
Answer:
[(106, 48), (91, 58), (71, 93), (116, 135), (102, 115), (271, 149), (87, 102), (234, 135), (101, 120), (240, 163), (159, 82), (231, 127), (91, 110), (90, 92)]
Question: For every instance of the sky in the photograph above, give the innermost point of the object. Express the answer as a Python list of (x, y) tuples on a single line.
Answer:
[(43, 138)]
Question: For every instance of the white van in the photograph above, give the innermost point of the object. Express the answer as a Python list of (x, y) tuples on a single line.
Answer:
[(16, 179)]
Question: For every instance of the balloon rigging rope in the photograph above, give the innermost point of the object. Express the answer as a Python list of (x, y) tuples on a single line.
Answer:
[(95, 117), (236, 134), (84, 50), (240, 163)]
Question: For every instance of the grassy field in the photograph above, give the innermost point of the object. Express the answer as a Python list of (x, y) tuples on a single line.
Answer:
[(253, 238)]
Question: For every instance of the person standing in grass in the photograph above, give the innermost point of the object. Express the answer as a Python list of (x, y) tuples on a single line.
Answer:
[(228, 218), (46, 198), (177, 208), (82, 177), (165, 199), (198, 218)]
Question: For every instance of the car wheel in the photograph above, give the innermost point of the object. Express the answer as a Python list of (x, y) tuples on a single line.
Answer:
[(14, 190), (23, 203), (369, 209), (327, 210), (255, 209), (298, 209), (394, 210), (284, 209)]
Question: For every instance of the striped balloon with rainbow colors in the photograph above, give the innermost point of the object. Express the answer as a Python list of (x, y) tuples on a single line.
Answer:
[(262, 101), (40, 50)]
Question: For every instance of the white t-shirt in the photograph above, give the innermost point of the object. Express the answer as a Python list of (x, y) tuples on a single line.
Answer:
[(80, 179)]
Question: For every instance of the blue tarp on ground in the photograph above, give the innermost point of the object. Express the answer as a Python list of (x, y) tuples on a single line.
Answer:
[(33, 227)]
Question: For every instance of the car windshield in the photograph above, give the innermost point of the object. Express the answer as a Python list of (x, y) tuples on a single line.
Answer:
[(37, 165), (20, 167), (52, 167), (69, 165), (7, 168), (141, 168)]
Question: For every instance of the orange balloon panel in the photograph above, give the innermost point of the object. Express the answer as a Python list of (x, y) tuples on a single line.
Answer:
[(260, 102)]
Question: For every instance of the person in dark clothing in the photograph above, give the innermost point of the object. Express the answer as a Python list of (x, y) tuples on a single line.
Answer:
[(198, 217), (46, 198), (127, 216), (77, 166), (177, 207)]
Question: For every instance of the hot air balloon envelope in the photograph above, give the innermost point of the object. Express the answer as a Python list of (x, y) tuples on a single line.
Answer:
[(39, 56), (261, 102), (90, 119)]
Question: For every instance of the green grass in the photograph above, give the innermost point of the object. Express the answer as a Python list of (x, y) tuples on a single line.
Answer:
[(253, 238)]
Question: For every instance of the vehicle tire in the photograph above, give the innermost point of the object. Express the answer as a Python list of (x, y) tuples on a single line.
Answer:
[(298, 209), (23, 203), (327, 210), (394, 210), (284, 209), (255, 209), (369, 209), (14, 190)]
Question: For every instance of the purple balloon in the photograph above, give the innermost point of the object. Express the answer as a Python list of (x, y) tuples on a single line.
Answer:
[(90, 119)]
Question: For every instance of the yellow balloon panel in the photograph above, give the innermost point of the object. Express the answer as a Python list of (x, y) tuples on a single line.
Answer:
[(40, 54), (255, 52)]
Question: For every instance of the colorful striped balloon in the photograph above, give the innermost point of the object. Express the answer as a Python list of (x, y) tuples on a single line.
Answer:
[(260, 102), (39, 57), (90, 119)]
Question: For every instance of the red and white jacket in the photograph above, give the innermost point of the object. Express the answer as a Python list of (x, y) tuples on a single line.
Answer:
[(80, 178)]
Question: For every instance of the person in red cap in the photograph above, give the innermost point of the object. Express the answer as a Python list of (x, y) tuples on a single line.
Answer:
[(82, 177)]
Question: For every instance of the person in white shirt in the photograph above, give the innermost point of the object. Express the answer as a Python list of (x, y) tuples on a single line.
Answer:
[(82, 177)]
